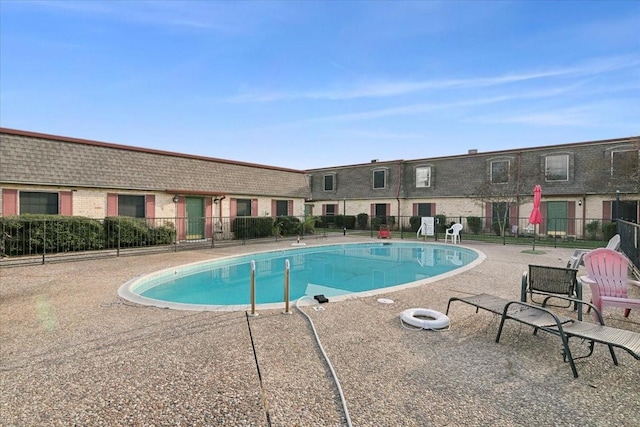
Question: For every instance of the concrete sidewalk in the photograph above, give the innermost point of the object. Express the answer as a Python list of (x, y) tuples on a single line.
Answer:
[(73, 353)]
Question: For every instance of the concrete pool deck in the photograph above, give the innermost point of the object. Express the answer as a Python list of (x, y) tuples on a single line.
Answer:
[(73, 353)]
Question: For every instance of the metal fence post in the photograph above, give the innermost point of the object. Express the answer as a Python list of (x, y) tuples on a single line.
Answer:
[(252, 296), (287, 267), (118, 245), (44, 239)]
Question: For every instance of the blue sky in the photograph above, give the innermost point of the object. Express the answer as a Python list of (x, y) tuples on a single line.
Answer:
[(304, 84)]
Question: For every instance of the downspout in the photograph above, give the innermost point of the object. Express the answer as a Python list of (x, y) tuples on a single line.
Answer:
[(584, 214)]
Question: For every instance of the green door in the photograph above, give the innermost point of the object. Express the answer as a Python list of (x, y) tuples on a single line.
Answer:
[(557, 218), (195, 218)]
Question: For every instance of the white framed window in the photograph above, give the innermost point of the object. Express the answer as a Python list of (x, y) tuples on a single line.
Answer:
[(423, 176), (379, 178), (500, 172), (556, 168), (329, 182)]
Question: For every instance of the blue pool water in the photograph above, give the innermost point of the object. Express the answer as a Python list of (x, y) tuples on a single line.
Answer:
[(332, 270)]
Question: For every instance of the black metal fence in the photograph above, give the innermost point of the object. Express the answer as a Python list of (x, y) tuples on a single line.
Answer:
[(630, 241), (42, 238)]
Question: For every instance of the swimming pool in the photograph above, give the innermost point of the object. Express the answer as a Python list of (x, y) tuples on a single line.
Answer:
[(336, 271)]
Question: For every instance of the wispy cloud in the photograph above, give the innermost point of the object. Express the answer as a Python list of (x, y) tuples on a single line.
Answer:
[(395, 88), (220, 17), (579, 116), (419, 108), (372, 134)]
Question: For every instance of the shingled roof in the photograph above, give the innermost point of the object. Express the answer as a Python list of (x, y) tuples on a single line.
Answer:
[(33, 158)]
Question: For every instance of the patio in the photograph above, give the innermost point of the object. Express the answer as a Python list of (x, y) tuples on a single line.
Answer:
[(72, 353)]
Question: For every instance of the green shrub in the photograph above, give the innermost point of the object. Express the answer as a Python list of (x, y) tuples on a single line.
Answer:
[(349, 222), (592, 229), (126, 232), (376, 222), (309, 225), (475, 224), (609, 230), (289, 225), (34, 234), (162, 235), (441, 223), (249, 227), (363, 220), (415, 222), (327, 221)]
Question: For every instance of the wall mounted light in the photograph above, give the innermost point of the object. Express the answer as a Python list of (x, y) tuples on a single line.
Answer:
[(175, 199), (579, 202), (216, 200)]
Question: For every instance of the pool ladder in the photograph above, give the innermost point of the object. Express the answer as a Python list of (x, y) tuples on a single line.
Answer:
[(287, 269)]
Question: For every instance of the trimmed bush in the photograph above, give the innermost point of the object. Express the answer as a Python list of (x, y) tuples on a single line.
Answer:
[(288, 225), (128, 232), (34, 234), (415, 222), (349, 222), (327, 221), (475, 224), (609, 230), (362, 220), (249, 227), (376, 222), (592, 229)]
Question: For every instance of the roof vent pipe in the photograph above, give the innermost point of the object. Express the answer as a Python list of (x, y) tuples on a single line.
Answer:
[(473, 151)]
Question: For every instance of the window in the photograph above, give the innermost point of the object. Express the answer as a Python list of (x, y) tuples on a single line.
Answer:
[(38, 203), (330, 209), (282, 208), (624, 164), (500, 172), (379, 179), (129, 205), (423, 176), (557, 168), (424, 209), (330, 182), (243, 207)]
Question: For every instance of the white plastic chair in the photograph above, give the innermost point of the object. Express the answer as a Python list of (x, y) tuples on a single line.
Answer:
[(454, 232), (576, 259)]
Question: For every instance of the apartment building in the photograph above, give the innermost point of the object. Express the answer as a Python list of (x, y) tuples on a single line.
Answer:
[(595, 180)]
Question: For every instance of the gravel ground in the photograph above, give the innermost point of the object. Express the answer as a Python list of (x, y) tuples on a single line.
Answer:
[(73, 353)]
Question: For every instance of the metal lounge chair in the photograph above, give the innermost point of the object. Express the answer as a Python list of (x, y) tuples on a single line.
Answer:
[(607, 276), (544, 280), (576, 259), (540, 318)]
